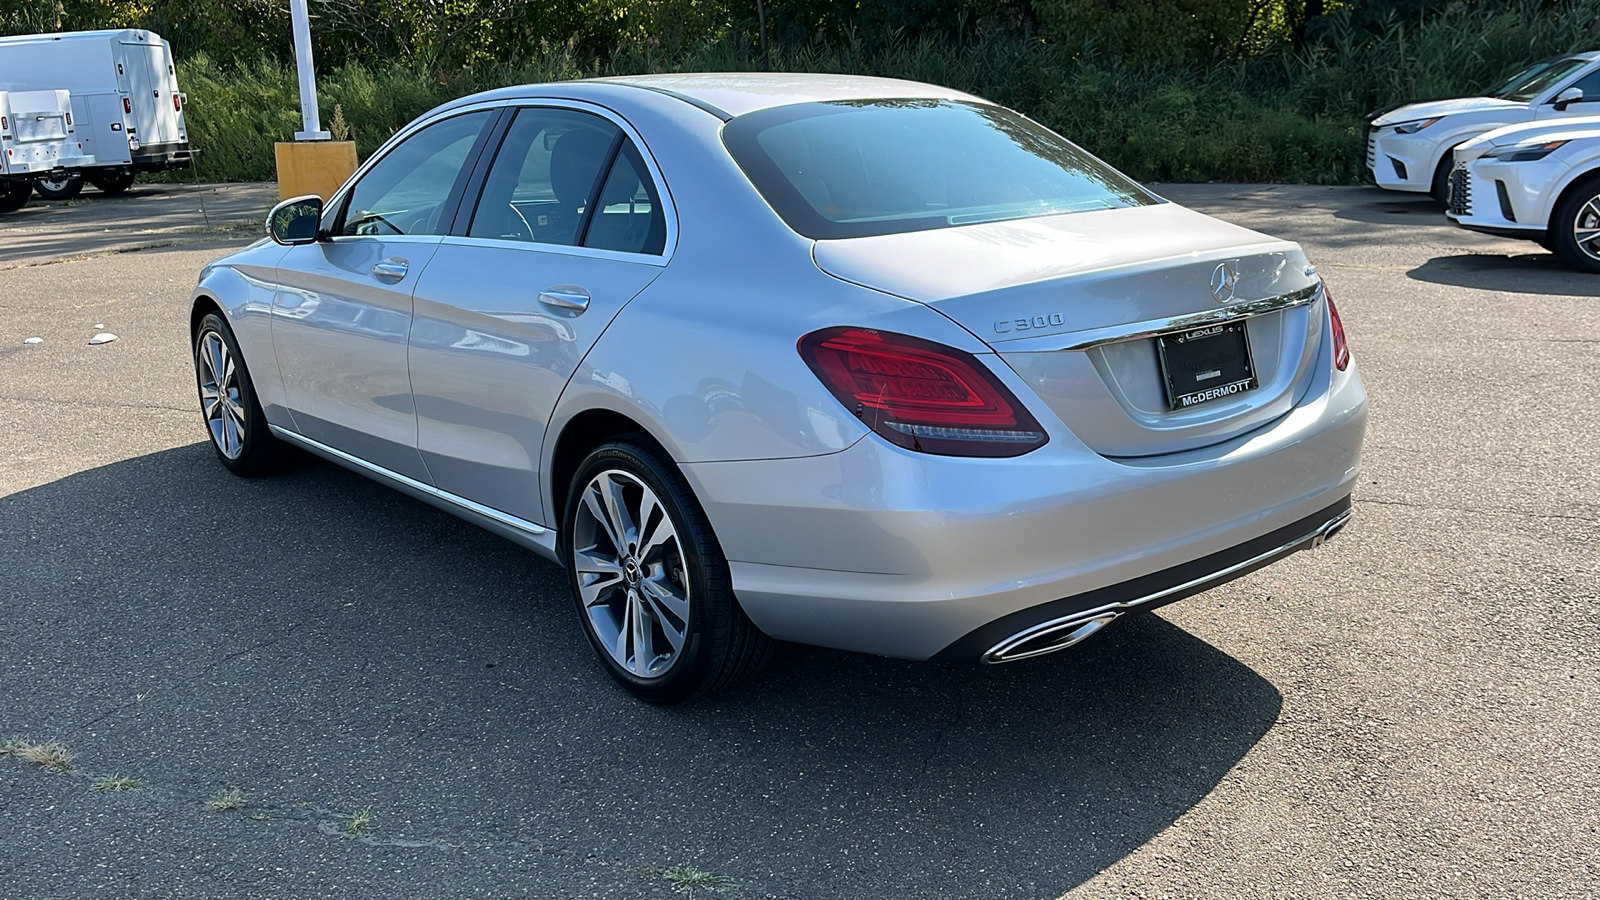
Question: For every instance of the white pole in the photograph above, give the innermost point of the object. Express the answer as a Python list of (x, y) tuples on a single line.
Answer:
[(308, 77)]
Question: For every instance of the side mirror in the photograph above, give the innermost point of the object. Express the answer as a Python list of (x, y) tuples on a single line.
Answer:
[(1566, 97), (296, 220)]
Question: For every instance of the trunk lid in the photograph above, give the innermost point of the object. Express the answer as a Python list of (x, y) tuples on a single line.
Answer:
[(1069, 302)]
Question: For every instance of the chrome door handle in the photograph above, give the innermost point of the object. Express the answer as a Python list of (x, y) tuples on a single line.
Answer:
[(565, 296), (394, 267)]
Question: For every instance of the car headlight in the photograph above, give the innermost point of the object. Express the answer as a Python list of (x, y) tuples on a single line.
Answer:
[(1525, 152), (1415, 126)]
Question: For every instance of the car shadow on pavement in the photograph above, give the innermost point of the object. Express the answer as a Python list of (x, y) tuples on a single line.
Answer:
[(1535, 272), (316, 639), (1382, 209)]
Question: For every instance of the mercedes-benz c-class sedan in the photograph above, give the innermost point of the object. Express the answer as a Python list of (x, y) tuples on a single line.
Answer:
[(854, 362)]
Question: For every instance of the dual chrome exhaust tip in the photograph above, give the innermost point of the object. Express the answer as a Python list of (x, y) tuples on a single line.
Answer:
[(1069, 631)]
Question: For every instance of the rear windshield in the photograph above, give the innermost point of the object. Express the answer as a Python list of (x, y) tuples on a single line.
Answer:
[(856, 168)]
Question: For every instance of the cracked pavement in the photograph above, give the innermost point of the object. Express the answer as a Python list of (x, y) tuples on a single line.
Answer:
[(1409, 711)]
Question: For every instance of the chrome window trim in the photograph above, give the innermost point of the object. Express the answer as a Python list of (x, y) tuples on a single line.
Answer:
[(643, 259), (544, 538), (1134, 331)]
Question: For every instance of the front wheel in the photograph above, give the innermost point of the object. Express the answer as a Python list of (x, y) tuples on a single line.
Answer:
[(652, 587), (64, 188), (1575, 225), (233, 415)]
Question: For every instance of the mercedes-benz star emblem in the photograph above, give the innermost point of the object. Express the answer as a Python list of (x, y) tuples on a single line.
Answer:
[(1223, 282)]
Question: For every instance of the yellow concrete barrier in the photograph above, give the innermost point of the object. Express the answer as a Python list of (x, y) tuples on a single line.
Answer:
[(313, 167)]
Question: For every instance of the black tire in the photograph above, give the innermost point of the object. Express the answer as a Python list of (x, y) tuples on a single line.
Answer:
[(1441, 177), (1579, 208), (112, 183), (65, 189), (14, 195), (258, 451), (720, 648)]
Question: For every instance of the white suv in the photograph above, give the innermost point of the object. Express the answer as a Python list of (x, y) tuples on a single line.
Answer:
[(1539, 181), (1408, 149)]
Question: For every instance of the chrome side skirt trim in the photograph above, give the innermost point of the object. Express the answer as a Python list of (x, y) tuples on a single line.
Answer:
[(1134, 331), (1059, 634), (529, 534)]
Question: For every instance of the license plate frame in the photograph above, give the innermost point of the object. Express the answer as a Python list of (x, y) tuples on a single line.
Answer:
[(1206, 364)]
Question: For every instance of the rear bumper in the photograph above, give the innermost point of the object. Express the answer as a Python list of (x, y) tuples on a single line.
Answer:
[(881, 550), (159, 157)]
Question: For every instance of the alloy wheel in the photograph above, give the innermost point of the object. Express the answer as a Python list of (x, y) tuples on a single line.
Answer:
[(1586, 228), (630, 573), (220, 399)]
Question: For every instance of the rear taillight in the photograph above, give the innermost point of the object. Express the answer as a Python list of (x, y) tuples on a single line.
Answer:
[(127, 106), (921, 395), (1341, 349), (177, 106)]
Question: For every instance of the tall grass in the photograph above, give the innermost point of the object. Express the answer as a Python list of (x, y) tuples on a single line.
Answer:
[(1281, 116)]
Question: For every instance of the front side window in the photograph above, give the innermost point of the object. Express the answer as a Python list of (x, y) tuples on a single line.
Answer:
[(405, 192), (867, 167)]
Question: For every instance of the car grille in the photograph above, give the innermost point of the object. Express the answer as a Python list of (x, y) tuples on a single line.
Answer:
[(1461, 191), (1372, 149)]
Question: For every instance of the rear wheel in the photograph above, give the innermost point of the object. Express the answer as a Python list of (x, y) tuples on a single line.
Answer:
[(64, 188), (14, 195), (652, 587), (112, 183), (1575, 225), (228, 402)]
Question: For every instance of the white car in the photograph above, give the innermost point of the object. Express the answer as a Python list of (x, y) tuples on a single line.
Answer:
[(1408, 149), (1539, 181)]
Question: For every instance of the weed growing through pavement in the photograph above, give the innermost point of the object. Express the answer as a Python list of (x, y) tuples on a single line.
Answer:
[(227, 801), (686, 879), (116, 783), (51, 754), (358, 822)]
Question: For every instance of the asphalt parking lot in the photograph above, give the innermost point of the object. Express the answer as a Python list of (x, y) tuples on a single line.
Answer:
[(1409, 711)]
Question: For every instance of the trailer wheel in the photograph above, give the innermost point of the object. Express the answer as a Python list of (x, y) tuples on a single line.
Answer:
[(64, 188), (14, 195), (113, 183)]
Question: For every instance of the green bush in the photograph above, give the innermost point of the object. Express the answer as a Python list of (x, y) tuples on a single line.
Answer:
[(1279, 114)]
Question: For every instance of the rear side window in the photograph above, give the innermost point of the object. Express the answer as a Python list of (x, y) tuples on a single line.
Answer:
[(858, 168), (572, 179)]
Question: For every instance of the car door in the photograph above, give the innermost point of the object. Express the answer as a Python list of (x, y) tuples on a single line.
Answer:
[(341, 314), (569, 225)]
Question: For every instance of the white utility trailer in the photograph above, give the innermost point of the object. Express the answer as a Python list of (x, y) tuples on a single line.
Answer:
[(125, 100), (37, 140)]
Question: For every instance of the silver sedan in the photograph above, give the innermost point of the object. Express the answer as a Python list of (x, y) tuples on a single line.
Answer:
[(854, 362)]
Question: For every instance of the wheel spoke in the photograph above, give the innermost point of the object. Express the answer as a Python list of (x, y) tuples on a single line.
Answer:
[(666, 596), (674, 623), (617, 510), (596, 575), (644, 651), (652, 536), (207, 352), (596, 506)]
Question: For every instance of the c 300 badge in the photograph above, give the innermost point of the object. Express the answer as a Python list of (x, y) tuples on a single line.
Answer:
[(1032, 323)]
